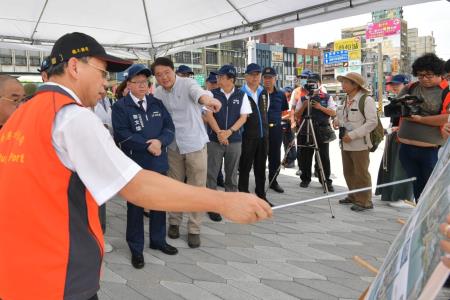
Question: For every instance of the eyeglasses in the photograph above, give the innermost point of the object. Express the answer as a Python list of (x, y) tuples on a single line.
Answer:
[(426, 75), (16, 101), (141, 82), (105, 74)]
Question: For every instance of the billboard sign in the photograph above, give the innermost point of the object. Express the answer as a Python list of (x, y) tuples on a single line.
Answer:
[(335, 57), (383, 28), (352, 45)]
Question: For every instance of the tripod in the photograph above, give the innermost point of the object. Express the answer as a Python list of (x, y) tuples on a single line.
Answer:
[(310, 132)]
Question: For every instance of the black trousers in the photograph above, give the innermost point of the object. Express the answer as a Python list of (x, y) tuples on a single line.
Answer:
[(306, 157), (288, 136), (254, 153), (275, 141)]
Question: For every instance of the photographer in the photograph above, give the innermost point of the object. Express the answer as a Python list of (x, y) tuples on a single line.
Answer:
[(390, 168), (354, 131), (322, 108), (420, 136)]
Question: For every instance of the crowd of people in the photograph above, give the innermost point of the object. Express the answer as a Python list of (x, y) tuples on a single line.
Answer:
[(156, 139)]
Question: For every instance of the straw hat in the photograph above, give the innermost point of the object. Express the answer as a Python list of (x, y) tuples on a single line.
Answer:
[(356, 78)]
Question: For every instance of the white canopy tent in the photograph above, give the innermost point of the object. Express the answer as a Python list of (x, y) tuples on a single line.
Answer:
[(144, 28)]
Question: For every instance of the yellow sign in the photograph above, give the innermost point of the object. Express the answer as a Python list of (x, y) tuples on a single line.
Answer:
[(352, 45), (277, 56)]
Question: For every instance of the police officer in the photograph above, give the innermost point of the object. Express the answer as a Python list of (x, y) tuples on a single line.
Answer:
[(255, 136), (322, 108), (184, 71), (143, 129), (225, 134), (277, 104), (211, 81)]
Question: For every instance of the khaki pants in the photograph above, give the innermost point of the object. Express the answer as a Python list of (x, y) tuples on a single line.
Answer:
[(356, 173), (193, 167)]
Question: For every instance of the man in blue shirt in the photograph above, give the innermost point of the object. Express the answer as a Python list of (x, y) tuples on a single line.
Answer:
[(255, 135), (225, 134), (143, 129), (277, 104)]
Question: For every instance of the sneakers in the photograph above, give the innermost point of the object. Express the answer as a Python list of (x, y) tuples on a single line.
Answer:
[(330, 187), (276, 187), (193, 240), (298, 173), (174, 231), (400, 204), (358, 208), (215, 217), (107, 246)]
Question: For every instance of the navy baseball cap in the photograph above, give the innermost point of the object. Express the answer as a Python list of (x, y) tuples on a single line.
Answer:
[(45, 64), (138, 69), (305, 73), (212, 77), (229, 70), (399, 78), (78, 45), (184, 70), (288, 89), (269, 71), (253, 68)]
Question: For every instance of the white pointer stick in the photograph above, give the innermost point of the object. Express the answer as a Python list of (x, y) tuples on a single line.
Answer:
[(343, 193)]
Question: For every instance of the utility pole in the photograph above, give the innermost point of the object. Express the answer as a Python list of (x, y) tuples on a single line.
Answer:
[(380, 78)]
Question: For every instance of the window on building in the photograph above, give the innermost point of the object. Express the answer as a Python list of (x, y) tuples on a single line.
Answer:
[(196, 58), (315, 60), (5, 57), (21, 58), (211, 58), (307, 59), (299, 59)]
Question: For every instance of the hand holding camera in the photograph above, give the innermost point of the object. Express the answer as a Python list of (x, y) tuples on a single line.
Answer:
[(404, 106)]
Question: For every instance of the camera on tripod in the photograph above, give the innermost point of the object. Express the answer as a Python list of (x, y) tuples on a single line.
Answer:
[(404, 106)]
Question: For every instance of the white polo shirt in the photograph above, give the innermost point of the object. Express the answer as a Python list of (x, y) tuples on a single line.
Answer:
[(85, 146)]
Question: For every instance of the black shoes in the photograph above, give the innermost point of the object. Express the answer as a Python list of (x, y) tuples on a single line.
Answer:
[(304, 184), (174, 231), (137, 260), (215, 217), (193, 240), (359, 208), (166, 249), (330, 187), (276, 187), (345, 201)]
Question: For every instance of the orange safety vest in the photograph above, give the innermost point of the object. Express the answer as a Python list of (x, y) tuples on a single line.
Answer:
[(51, 242)]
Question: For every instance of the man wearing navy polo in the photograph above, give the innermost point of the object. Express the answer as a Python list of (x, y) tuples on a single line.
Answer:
[(143, 129), (255, 135), (277, 104), (225, 134)]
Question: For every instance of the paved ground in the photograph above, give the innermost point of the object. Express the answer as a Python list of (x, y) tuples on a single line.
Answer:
[(302, 253)]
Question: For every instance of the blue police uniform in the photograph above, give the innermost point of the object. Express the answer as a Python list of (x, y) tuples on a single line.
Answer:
[(277, 104), (132, 128)]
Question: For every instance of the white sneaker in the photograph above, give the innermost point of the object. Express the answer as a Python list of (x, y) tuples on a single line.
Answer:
[(298, 173), (400, 204), (108, 247)]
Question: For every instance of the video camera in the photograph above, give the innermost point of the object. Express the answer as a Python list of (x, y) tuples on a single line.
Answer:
[(404, 106)]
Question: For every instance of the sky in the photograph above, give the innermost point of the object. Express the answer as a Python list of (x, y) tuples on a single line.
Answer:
[(430, 17)]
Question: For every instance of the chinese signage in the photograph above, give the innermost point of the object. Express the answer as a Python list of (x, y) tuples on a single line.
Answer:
[(335, 57), (383, 28), (277, 56), (352, 45)]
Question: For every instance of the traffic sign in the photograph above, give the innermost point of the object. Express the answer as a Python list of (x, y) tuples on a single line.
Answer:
[(335, 57)]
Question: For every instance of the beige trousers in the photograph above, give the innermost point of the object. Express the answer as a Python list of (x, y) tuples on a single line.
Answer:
[(356, 173), (192, 167)]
